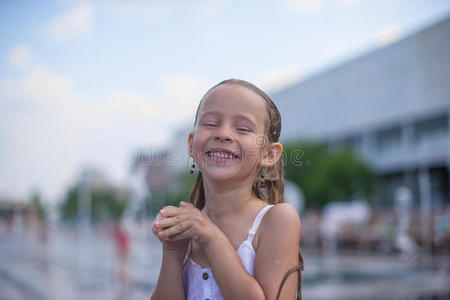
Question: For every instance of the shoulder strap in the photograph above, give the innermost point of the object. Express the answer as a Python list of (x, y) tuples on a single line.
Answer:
[(258, 219), (299, 268)]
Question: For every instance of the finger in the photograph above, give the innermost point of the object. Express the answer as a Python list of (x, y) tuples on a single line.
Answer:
[(155, 226), (158, 217), (186, 204), (167, 207), (170, 211), (155, 230), (166, 210), (176, 229), (171, 221), (156, 221), (171, 231)]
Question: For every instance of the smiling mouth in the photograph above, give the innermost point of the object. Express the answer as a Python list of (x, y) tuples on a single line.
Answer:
[(217, 155)]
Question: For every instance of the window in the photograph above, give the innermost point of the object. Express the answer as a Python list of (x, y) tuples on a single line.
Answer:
[(388, 140), (431, 130)]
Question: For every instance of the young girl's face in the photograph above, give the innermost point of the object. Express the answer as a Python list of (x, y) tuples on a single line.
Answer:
[(230, 131)]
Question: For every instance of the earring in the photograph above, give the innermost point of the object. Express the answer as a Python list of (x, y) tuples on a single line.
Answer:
[(192, 167)]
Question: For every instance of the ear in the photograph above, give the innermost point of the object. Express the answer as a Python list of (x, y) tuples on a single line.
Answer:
[(190, 140), (271, 155)]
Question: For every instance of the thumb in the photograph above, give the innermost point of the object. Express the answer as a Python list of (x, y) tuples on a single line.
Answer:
[(185, 204)]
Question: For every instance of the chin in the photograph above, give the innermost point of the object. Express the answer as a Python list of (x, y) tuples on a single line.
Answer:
[(220, 174)]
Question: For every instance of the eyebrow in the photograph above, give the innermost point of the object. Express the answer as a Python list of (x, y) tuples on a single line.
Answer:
[(210, 113)]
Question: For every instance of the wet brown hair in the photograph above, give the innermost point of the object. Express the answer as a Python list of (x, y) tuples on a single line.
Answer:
[(269, 187)]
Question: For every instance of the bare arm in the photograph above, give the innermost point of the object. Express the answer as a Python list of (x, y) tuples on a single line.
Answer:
[(170, 281), (276, 254), (233, 280), (278, 251), (189, 222)]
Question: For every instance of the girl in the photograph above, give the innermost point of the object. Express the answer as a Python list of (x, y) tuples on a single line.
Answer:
[(236, 239)]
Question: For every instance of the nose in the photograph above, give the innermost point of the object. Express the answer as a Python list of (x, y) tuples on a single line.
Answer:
[(223, 133)]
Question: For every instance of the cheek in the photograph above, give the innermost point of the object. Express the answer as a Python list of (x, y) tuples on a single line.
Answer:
[(261, 142), (251, 153), (197, 147)]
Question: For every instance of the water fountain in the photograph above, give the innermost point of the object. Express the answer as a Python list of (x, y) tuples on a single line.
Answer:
[(425, 210), (403, 241), (294, 196)]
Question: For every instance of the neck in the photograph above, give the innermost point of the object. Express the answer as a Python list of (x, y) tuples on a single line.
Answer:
[(226, 199)]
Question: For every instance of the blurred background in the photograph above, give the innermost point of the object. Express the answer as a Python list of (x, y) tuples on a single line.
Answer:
[(97, 99)]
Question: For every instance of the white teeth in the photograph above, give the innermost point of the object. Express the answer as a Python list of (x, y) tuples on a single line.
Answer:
[(220, 155)]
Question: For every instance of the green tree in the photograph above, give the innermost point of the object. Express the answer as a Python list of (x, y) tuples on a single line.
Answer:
[(107, 203), (172, 194), (37, 205), (327, 175)]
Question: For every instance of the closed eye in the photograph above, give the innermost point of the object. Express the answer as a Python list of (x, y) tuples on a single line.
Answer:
[(243, 129), (209, 125)]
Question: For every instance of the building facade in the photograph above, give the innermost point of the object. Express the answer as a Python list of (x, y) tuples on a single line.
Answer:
[(392, 105)]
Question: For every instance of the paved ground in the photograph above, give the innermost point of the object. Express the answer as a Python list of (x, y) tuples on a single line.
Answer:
[(377, 277), (71, 266), (85, 266)]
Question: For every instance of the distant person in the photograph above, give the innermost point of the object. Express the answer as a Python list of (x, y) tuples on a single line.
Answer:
[(236, 239), (122, 245)]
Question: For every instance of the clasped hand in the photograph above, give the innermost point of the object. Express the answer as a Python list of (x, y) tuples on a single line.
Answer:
[(177, 224)]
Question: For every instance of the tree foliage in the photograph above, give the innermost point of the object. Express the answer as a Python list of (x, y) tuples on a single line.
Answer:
[(327, 175), (172, 194), (107, 203), (37, 205)]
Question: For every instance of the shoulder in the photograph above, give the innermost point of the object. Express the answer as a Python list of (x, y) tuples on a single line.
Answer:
[(278, 249), (282, 214), (281, 220)]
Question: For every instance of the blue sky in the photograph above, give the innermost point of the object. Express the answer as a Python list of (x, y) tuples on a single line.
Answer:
[(87, 83)]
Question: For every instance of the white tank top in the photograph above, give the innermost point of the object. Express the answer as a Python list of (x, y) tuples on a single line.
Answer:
[(199, 283)]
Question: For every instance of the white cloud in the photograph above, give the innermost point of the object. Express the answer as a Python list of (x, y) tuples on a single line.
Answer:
[(131, 105), (314, 6), (75, 23), (20, 56), (387, 35), (304, 6), (211, 7), (43, 84), (277, 79), (348, 2), (40, 86), (184, 91), (144, 11), (49, 130), (154, 11)]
